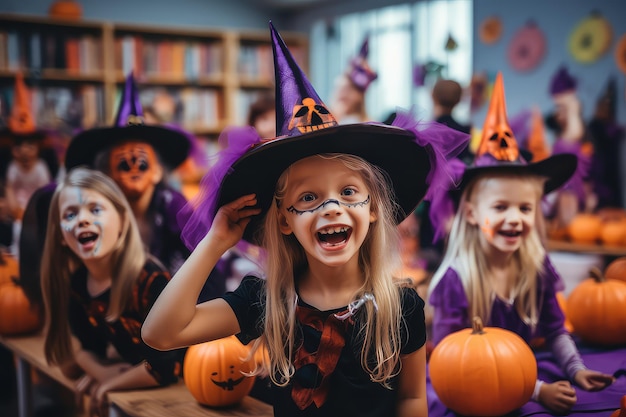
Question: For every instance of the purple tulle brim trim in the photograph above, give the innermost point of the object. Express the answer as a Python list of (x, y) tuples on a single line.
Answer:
[(196, 217), (442, 205)]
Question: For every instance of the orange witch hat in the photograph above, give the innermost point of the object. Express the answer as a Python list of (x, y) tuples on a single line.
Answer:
[(499, 152), (497, 138), (21, 121), (537, 138)]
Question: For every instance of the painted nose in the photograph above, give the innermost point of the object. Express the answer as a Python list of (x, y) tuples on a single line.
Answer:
[(331, 206)]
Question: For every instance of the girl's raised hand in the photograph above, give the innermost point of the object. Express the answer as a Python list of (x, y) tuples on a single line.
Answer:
[(232, 218)]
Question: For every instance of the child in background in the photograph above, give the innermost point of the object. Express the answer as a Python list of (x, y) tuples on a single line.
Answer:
[(348, 104), (343, 338), (26, 171), (496, 267), (262, 116), (98, 285)]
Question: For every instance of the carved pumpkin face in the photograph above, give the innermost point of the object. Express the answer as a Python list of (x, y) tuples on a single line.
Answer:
[(500, 143), (135, 168), (310, 116)]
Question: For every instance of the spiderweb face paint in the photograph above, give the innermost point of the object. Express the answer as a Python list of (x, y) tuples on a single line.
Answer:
[(292, 209)]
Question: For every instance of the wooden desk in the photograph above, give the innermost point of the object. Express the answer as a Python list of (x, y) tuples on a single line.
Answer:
[(28, 351), (590, 248), (176, 400)]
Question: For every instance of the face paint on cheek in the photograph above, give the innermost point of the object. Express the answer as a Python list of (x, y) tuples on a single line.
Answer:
[(99, 226), (487, 230), (66, 227)]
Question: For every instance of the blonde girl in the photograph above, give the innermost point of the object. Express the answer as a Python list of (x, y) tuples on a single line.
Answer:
[(323, 200)]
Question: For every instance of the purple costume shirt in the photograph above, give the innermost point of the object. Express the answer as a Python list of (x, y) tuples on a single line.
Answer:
[(451, 308)]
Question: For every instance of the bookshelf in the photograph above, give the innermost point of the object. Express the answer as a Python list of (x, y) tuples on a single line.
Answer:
[(201, 79)]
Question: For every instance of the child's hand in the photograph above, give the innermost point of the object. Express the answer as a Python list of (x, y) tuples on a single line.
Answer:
[(232, 218), (593, 380), (559, 396)]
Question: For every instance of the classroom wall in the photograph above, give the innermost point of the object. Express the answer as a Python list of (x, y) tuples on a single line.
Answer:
[(235, 14), (557, 19)]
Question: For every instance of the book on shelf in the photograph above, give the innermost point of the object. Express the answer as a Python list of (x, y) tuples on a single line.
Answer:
[(179, 59), (44, 49)]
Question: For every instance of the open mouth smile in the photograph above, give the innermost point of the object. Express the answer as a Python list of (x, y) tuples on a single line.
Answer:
[(334, 235)]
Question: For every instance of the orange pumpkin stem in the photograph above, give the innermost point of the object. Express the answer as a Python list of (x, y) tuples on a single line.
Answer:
[(477, 326), (596, 274)]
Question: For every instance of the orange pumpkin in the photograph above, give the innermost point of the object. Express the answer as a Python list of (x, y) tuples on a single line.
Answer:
[(66, 9), (17, 315), (613, 233), (621, 412), (469, 363), (213, 372), (9, 268), (620, 54), (616, 269), (596, 310), (560, 298), (585, 228)]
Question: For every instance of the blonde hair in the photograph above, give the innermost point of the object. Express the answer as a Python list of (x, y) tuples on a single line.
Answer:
[(59, 262), (464, 254), (378, 258)]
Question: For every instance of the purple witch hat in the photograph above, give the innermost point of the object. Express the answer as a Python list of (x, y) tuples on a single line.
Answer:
[(359, 71), (172, 145), (408, 152), (562, 81)]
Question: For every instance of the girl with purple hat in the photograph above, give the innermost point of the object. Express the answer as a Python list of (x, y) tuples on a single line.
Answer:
[(495, 265), (324, 201)]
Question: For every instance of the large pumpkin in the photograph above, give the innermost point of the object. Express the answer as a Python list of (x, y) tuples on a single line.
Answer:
[(17, 315), (616, 269), (213, 372), (596, 309), (471, 362)]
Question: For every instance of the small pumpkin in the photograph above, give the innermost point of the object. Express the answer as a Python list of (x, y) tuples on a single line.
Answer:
[(213, 372), (585, 228), (9, 268), (66, 9), (17, 315), (616, 269), (562, 300), (613, 233), (595, 308), (468, 363), (621, 412)]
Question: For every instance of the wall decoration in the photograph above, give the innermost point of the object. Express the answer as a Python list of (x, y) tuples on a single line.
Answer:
[(527, 48), (490, 30), (591, 38), (620, 54)]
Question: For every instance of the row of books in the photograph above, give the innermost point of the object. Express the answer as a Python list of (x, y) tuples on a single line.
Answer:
[(54, 50), (256, 62), (60, 108), (194, 109), (189, 60)]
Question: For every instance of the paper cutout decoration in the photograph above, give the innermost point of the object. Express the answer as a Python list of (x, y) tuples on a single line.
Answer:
[(620, 54), (527, 48), (490, 30), (591, 38)]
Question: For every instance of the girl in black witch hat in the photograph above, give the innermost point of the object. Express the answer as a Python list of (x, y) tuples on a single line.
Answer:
[(324, 201)]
